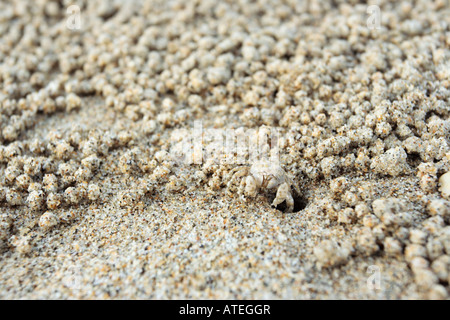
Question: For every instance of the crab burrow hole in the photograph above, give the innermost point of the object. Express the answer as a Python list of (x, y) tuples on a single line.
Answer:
[(300, 203)]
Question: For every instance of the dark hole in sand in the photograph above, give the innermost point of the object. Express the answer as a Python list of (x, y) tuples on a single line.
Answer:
[(300, 203), (414, 159)]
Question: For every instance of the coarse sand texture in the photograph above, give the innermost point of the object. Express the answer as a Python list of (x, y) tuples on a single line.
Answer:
[(118, 179)]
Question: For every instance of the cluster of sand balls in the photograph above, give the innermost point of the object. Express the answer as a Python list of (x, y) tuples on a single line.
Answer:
[(349, 101)]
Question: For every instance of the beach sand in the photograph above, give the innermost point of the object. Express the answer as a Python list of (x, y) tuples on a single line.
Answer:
[(97, 99)]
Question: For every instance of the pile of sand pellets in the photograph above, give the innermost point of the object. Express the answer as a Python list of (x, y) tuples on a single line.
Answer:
[(116, 180)]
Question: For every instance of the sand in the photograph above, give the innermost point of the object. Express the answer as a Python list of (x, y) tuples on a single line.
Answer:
[(103, 194)]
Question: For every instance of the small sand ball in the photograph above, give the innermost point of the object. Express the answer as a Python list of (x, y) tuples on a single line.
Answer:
[(251, 98), (5, 220), (68, 215), (367, 244), (379, 231), (389, 205), (161, 172), (414, 250), (83, 174), (63, 150), (35, 186), (434, 248), (217, 75), (82, 190), (93, 192), (329, 166), (23, 181), (146, 186), (124, 137), (350, 198), (346, 216), (11, 172), (339, 185), (65, 169), (12, 150), (437, 292), (72, 195), (370, 221), (428, 183), (90, 146), (392, 162), (361, 210), (2, 193), (48, 220), (92, 162), (35, 200), (441, 267), (73, 102), (50, 183), (383, 129), (434, 224), (425, 278), (439, 207), (5, 225), (330, 254), (22, 245), (199, 176), (392, 246), (53, 201), (10, 133), (444, 183), (161, 155), (418, 236), (418, 263)]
